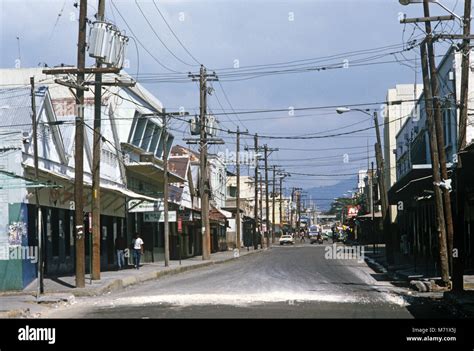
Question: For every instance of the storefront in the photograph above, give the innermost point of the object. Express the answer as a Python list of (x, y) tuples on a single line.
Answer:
[(248, 225), (218, 222), (185, 234)]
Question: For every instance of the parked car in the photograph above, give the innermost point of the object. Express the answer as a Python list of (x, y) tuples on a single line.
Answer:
[(286, 239)]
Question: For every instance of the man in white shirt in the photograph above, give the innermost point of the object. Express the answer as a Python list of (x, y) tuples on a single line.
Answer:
[(137, 250)]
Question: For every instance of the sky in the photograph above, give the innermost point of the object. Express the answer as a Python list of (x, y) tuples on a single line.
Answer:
[(226, 36)]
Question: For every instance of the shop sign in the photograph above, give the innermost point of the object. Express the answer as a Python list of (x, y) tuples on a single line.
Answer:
[(145, 206), (159, 216)]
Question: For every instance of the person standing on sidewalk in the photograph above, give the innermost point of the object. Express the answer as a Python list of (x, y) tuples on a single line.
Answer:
[(137, 249), (120, 246)]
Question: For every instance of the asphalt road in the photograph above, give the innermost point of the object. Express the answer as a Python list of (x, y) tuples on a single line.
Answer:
[(284, 282)]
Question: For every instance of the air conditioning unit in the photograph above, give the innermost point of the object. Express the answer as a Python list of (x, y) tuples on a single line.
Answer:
[(147, 157)]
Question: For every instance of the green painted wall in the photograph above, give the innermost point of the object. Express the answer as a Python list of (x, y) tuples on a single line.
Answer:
[(11, 275)]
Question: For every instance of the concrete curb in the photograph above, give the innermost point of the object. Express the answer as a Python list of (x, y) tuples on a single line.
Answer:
[(377, 267), (16, 313), (112, 286), (121, 283)]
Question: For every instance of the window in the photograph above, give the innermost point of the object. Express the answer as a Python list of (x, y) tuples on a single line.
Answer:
[(147, 135), (146, 140), (138, 131), (232, 191)]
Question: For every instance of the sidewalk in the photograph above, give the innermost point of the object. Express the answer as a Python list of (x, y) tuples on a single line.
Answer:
[(14, 304), (407, 273)]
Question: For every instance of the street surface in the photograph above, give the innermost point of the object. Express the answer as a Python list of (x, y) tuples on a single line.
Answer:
[(284, 282)]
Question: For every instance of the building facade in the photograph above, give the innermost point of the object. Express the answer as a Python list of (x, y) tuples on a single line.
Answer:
[(131, 173), (412, 193)]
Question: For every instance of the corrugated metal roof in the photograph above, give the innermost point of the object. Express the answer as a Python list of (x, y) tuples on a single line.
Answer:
[(68, 133), (15, 108)]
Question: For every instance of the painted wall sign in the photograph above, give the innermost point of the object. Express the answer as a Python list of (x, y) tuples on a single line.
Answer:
[(159, 216)]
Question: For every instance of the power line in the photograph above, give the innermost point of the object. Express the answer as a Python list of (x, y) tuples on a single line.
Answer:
[(141, 44), (174, 34), (158, 37)]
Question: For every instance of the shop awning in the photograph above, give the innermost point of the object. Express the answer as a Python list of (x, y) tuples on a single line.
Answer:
[(9, 180), (122, 191), (150, 169), (217, 214), (369, 215), (128, 193), (412, 184)]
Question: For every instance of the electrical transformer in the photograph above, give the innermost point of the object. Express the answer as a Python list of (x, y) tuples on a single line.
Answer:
[(107, 44)]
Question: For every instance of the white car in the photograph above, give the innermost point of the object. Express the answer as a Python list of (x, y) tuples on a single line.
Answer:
[(287, 239)]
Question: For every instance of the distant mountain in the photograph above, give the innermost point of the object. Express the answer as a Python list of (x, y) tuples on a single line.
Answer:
[(326, 194)]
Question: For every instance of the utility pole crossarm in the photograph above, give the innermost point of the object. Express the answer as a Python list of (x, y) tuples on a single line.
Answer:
[(427, 19)]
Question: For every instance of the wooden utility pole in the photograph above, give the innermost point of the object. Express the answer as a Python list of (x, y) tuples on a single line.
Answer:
[(458, 240), (281, 200), (440, 219), (96, 153), (465, 67), (237, 214), (267, 208), (38, 221), (165, 189), (206, 228), (80, 86), (203, 78), (383, 192), (256, 231), (262, 232), (372, 207), (298, 210), (291, 207), (79, 149), (438, 121), (273, 204)]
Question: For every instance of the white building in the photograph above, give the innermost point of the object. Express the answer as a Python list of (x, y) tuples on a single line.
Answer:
[(413, 189), (131, 158), (401, 106)]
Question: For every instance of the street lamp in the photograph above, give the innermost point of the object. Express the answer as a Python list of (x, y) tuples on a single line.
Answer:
[(409, 2), (341, 110), (282, 176), (380, 166)]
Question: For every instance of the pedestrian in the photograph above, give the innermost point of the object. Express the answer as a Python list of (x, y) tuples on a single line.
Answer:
[(120, 247), (137, 250)]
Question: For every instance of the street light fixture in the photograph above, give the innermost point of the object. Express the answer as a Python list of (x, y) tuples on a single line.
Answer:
[(341, 110), (409, 2), (380, 164)]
